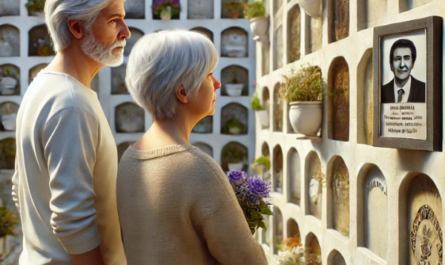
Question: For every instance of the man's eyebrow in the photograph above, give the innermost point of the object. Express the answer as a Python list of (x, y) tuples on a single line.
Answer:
[(116, 15)]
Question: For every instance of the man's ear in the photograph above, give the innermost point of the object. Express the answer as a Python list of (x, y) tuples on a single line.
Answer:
[(75, 28), (181, 95)]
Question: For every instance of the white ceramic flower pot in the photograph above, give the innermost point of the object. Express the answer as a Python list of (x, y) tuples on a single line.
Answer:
[(259, 27), (234, 90), (235, 166), (235, 130), (311, 7), (166, 15), (8, 121), (306, 116), (263, 117)]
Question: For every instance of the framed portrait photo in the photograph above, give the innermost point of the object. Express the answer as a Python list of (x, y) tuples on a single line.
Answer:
[(407, 61)]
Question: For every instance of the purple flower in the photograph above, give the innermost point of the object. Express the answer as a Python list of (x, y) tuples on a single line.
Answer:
[(236, 176), (242, 191), (258, 187)]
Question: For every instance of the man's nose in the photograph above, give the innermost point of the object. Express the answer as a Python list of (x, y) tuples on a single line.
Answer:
[(124, 33), (402, 63)]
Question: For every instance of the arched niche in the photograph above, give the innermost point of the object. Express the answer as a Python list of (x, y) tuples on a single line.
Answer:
[(313, 34), (277, 229), (420, 232), (7, 153), (265, 232), (40, 43), (259, 168), (338, 195), (122, 147), (234, 43), (9, 41), (204, 31), (293, 230), (294, 179), (8, 116), (294, 34), (370, 13), (205, 125), (338, 110), (158, 17), (134, 9), (9, 8), (129, 118), (265, 59), (277, 169), (265, 149), (118, 85), (231, 9), (278, 48), (205, 148), (35, 70), (135, 35), (315, 181), (234, 81), (234, 119), (313, 248), (9, 80), (338, 17), (35, 7), (266, 102), (234, 156), (200, 9), (365, 89), (405, 5), (335, 258), (277, 110), (372, 210)]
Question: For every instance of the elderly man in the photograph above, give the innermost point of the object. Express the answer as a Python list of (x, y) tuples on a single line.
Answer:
[(404, 87), (65, 180)]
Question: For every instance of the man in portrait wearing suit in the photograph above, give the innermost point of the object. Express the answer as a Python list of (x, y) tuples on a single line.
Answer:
[(404, 87)]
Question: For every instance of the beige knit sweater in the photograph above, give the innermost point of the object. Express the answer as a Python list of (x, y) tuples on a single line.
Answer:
[(176, 206)]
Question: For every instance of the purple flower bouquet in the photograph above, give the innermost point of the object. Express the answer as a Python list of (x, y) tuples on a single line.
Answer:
[(251, 194)]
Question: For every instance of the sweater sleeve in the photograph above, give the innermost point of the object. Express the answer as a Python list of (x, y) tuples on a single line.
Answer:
[(69, 139), (15, 186)]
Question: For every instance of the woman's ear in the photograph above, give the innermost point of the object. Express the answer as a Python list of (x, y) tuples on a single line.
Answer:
[(181, 95), (75, 28)]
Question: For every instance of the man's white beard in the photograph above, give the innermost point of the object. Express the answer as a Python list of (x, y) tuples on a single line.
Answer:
[(101, 54)]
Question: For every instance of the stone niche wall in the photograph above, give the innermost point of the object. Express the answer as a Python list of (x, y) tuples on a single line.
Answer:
[(278, 48), (134, 9), (365, 85), (9, 80), (338, 194), (294, 178), (205, 148), (135, 35), (335, 258), (204, 31), (266, 103), (9, 41), (277, 169), (277, 229), (370, 13), (315, 182), (313, 34), (338, 20), (338, 87), (294, 34), (277, 110)]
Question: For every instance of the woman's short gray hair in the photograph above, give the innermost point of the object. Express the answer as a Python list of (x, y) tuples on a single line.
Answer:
[(161, 62), (57, 13)]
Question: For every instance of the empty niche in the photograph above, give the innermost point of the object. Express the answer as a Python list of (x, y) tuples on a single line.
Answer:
[(234, 119), (129, 118), (338, 20), (265, 232), (278, 169), (365, 98), (118, 85), (405, 5), (7, 153), (9, 80), (372, 202), (277, 110), (293, 165), (234, 156), (173, 2), (234, 81), (370, 13), (315, 182), (278, 49), (293, 230), (234, 42), (35, 70), (9, 41), (265, 59), (204, 31), (205, 148), (231, 9), (8, 116), (205, 125), (134, 9), (312, 249), (40, 43), (200, 9), (338, 86), (335, 258), (421, 218), (339, 189), (313, 34), (135, 35), (266, 102), (277, 229), (293, 34), (122, 147), (9, 8)]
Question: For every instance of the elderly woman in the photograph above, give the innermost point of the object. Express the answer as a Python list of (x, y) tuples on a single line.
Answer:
[(175, 204)]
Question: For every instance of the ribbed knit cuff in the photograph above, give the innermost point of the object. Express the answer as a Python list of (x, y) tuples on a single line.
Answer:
[(82, 246)]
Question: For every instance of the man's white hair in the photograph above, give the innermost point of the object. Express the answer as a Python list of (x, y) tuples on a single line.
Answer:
[(161, 62), (57, 13)]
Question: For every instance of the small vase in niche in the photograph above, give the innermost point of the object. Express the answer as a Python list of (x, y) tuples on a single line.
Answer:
[(166, 14), (234, 88), (7, 85)]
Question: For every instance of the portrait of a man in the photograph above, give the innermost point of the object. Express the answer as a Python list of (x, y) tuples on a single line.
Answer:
[(403, 87)]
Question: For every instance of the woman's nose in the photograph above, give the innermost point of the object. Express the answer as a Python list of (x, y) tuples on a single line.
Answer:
[(216, 83)]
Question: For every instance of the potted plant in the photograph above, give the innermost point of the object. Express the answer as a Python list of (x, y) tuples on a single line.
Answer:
[(7, 225), (259, 23), (234, 88), (235, 7), (35, 7), (234, 157), (234, 126), (166, 9), (261, 114), (303, 90), (312, 7)]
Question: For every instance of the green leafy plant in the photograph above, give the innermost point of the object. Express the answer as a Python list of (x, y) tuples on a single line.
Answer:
[(7, 222), (254, 9), (232, 154), (255, 103), (161, 6), (34, 6), (263, 161), (235, 7), (304, 85)]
